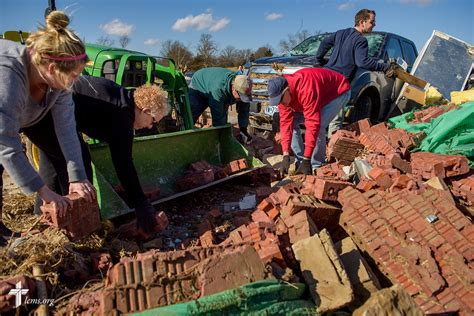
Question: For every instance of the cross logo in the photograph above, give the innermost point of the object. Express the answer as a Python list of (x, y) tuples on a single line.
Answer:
[(18, 292)]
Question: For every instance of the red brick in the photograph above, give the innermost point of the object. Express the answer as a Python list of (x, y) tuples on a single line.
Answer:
[(282, 195), (366, 184), (428, 165), (419, 224), (395, 270), (296, 203), (240, 235), (204, 226), (260, 216), (273, 213), (79, 221), (379, 128), (344, 146), (328, 189), (464, 189), (265, 205), (468, 299), (207, 239), (359, 127), (270, 252), (300, 226)]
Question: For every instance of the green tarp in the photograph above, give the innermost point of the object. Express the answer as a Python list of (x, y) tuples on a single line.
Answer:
[(451, 133), (268, 297)]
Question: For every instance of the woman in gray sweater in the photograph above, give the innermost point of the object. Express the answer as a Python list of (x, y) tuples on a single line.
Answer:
[(35, 83)]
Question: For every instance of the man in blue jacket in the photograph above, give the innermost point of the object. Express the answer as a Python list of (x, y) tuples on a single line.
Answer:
[(350, 51)]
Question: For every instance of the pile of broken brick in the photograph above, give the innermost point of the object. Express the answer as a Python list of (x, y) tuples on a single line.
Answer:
[(398, 224), (378, 215)]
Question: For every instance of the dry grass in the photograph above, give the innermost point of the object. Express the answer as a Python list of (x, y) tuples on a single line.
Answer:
[(18, 211), (50, 248)]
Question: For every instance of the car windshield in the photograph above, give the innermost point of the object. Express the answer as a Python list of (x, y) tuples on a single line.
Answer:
[(310, 45)]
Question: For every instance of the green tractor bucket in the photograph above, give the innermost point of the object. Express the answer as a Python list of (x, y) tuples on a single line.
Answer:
[(161, 159)]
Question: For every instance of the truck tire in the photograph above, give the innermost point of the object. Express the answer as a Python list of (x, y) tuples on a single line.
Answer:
[(32, 152), (362, 108)]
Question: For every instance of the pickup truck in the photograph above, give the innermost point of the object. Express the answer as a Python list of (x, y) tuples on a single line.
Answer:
[(372, 94)]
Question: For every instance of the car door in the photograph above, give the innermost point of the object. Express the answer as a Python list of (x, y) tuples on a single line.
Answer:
[(393, 51), (410, 53)]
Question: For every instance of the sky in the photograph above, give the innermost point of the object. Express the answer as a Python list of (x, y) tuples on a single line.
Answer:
[(240, 23)]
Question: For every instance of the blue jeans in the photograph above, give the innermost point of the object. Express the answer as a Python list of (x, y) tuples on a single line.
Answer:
[(199, 102), (328, 113)]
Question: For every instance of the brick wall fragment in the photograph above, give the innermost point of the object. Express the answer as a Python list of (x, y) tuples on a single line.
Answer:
[(464, 189), (428, 165), (344, 146), (420, 241)]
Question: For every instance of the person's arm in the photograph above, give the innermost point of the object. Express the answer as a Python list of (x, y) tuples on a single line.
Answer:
[(121, 144), (362, 59), (243, 112), (13, 99), (324, 47), (65, 127)]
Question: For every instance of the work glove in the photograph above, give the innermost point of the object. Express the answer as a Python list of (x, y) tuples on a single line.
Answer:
[(390, 71), (146, 217), (305, 167), (285, 165)]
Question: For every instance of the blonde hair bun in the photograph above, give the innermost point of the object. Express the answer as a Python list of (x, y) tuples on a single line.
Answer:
[(57, 20)]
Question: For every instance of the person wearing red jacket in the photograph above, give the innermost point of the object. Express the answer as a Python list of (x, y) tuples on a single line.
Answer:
[(313, 97)]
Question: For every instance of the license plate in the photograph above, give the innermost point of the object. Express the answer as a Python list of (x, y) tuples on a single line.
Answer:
[(270, 110)]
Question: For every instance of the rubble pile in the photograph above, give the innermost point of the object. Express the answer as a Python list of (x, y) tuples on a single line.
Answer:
[(378, 230), (376, 196)]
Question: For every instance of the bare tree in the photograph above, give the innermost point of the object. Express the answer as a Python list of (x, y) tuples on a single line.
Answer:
[(206, 50), (294, 39), (105, 40), (228, 57), (124, 40), (243, 56), (177, 51), (264, 51)]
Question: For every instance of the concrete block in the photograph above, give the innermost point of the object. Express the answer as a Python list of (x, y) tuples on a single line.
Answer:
[(324, 273)]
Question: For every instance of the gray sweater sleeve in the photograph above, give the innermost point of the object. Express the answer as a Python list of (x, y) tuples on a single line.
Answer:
[(13, 100), (65, 127)]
